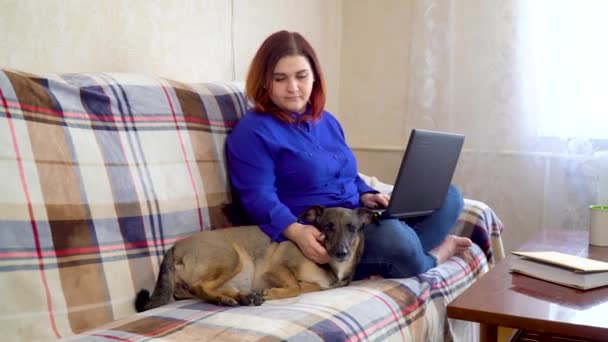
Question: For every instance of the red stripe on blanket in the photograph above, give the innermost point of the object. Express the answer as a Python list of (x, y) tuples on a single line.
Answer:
[(365, 333), (110, 337), (420, 299), (30, 210), (83, 250), (466, 271), (133, 118), (41, 110), (181, 143)]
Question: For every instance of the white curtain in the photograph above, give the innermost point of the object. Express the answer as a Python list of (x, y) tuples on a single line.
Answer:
[(527, 82)]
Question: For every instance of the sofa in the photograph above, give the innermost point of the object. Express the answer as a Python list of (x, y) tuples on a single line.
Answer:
[(102, 172)]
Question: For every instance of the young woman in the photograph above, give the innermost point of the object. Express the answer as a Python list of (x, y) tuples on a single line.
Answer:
[(287, 153)]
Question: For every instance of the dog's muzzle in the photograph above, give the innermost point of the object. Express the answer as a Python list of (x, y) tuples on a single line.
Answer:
[(341, 254)]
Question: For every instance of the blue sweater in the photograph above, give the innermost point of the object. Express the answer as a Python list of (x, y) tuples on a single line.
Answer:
[(278, 170)]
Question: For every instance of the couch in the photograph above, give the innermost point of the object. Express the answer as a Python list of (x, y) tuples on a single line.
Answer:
[(102, 172)]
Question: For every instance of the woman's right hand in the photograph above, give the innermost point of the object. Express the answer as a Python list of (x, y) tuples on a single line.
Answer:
[(310, 241)]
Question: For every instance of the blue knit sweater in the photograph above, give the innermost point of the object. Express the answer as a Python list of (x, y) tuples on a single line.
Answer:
[(278, 170)]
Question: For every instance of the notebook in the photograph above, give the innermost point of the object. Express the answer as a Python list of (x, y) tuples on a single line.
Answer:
[(425, 174), (564, 269)]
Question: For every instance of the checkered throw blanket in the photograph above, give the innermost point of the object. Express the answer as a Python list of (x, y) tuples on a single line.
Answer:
[(102, 173)]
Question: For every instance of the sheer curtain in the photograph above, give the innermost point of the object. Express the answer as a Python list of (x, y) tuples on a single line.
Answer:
[(526, 82)]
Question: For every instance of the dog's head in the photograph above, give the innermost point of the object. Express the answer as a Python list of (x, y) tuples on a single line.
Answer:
[(343, 229)]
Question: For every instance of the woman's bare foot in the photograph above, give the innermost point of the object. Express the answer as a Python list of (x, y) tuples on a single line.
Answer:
[(450, 246)]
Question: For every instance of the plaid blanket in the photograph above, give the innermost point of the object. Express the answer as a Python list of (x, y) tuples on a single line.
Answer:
[(102, 173), (410, 309)]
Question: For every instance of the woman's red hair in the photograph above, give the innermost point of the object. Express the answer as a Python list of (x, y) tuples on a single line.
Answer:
[(259, 78)]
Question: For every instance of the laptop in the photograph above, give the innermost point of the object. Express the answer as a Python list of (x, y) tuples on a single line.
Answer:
[(425, 174)]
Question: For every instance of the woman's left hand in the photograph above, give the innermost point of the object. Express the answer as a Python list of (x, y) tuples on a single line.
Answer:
[(374, 201)]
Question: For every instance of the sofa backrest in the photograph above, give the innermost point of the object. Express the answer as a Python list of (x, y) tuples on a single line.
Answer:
[(99, 175)]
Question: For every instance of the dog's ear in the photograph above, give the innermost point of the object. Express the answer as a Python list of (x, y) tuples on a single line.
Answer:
[(366, 215), (312, 214)]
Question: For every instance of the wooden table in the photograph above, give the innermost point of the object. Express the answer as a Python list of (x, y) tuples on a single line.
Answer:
[(501, 298)]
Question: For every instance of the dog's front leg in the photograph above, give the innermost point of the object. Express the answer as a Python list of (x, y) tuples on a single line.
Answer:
[(309, 287), (283, 284), (211, 286)]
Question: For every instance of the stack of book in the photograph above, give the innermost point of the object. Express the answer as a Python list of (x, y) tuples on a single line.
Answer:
[(564, 269)]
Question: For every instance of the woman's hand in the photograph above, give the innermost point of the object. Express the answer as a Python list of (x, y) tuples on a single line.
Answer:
[(310, 241), (373, 201)]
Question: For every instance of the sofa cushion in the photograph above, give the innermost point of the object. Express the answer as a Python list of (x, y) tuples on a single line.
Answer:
[(100, 174), (379, 310)]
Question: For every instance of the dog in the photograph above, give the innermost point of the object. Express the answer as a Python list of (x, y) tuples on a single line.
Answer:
[(242, 266)]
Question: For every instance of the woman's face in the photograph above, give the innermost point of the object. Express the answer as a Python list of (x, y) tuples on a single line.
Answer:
[(292, 81)]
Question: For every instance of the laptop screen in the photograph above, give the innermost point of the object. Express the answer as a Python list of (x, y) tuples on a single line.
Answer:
[(425, 173)]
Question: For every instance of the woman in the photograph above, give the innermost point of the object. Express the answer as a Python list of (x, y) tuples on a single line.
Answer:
[(288, 153)]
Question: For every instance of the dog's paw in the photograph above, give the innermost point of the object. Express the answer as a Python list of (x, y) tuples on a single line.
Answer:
[(273, 293), (265, 294), (252, 299), (227, 301), (258, 299)]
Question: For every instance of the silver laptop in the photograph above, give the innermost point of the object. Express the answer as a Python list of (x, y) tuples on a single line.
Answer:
[(425, 174)]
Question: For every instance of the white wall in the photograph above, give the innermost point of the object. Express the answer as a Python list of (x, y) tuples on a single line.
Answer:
[(374, 72), (187, 40)]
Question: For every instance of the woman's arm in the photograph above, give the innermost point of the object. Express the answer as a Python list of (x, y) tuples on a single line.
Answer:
[(252, 174), (251, 166), (251, 171)]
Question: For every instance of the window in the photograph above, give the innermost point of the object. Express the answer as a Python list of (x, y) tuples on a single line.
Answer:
[(566, 66)]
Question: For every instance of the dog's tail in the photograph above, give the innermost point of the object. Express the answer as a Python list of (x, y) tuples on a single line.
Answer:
[(163, 291)]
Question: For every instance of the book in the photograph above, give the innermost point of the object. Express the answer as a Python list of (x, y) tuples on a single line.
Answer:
[(564, 269)]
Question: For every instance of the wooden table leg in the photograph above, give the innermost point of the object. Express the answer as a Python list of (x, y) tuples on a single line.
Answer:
[(488, 332)]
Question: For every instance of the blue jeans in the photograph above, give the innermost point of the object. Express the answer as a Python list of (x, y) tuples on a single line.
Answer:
[(400, 248)]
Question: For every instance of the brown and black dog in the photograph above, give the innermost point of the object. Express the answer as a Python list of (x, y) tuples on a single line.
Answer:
[(243, 266)]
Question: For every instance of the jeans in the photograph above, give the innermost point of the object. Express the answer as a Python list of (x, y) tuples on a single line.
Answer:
[(400, 248)]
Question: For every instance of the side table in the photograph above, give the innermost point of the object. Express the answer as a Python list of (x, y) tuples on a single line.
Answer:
[(536, 307)]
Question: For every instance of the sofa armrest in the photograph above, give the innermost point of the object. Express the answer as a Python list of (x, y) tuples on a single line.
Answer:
[(377, 184), (479, 222)]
